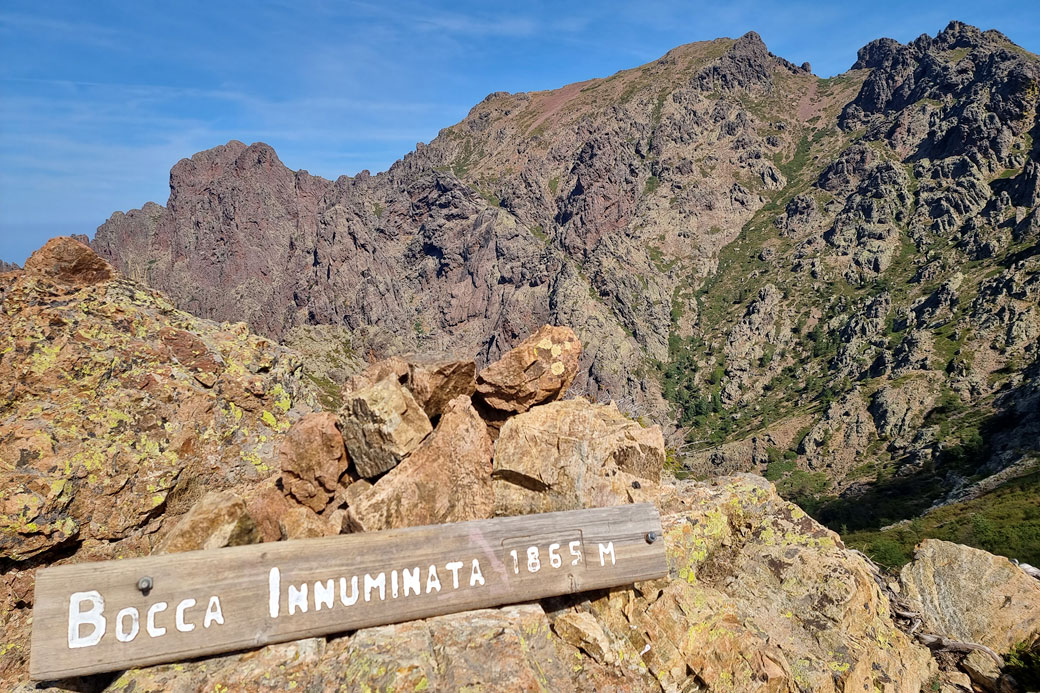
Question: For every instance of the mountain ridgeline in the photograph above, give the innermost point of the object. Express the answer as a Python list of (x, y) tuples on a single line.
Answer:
[(833, 282)]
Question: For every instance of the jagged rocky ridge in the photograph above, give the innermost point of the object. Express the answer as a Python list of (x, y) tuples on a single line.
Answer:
[(832, 282), (196, 435)]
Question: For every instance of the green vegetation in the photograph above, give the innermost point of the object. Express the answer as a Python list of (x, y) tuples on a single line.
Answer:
[(652, 183), (329, 394), (1023, 663), (798, 160), (1005, 521), (657, 257)]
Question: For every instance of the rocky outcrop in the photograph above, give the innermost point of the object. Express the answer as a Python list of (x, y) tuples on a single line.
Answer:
[(972, 596), (8, 266), (70, 263), (734, 241), (111, 428)]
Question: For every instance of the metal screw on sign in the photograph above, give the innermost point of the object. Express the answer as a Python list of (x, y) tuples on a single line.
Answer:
[(651, 537), (145, 584)]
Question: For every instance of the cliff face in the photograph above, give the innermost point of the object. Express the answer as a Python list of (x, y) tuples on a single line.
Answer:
[(832, 282), (538, 207)]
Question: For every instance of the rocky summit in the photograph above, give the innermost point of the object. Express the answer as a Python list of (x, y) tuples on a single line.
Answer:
[(831, 282), (129, 427)]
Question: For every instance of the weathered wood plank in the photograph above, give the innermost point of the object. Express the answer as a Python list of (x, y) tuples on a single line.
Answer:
[(92, 617)]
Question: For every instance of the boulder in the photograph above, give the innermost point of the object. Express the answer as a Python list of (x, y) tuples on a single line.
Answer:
[(313, 460), (538, 370), (446, 479), (971, 595), (395, 367), (267, 506), (69, 262), (581, 630), (302, 523), (219, 519), (381, 424), (983, 670), (433, 380), (573, 454)]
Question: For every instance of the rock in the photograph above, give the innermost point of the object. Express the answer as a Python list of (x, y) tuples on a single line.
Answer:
[(381, 424), (313, 460), (572, 454), (394, 367), (219, 519), (433, 380), (267, 506), (193, 353), (436, 381), (8, 267), (954, 682), (970, 595), (898, 409), (538, 370), (69, 262), (446, 479), (303, 523), (983, 670), (351, 493), (581, 630)]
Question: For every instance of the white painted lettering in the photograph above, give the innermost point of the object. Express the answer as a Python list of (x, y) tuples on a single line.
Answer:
[(354, 593), (274, 591), (534, 563), (575, 547), (91, 617), (606, 550), (475, 575), (432, 581), (554, 556), (411, 581), (373, 582), (393, 584), (122, 634), (213, 613), (516, 562), (324, 594), (297, 598), (154, 630), (179, 618), (454, 567)]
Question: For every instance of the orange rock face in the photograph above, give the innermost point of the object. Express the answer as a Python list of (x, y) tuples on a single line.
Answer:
[(538, 370), (313, 459), (68, 262), (219, 519)]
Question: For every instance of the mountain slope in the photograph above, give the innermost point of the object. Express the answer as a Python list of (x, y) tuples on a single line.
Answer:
[(832, 282)]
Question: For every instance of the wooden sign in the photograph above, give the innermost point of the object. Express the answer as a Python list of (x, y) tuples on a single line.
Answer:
[(114, 615)]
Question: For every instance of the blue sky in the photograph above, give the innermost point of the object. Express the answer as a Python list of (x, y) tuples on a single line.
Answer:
[(99, 99)]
